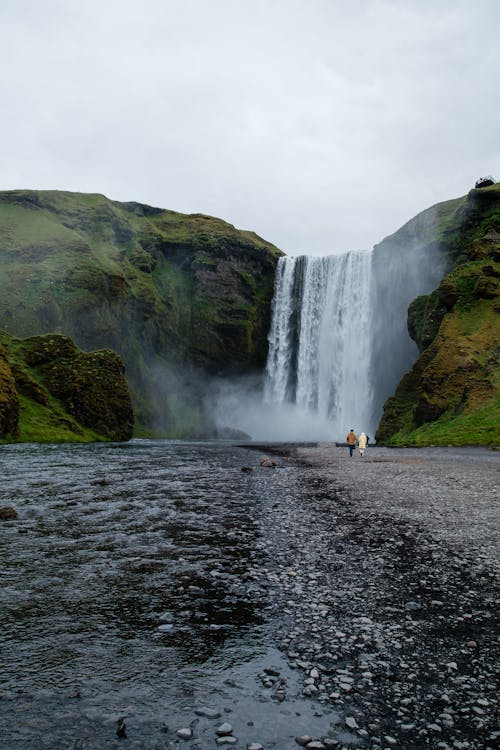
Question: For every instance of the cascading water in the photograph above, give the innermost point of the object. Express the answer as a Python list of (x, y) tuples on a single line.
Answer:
[(339, 342), (319, 343)]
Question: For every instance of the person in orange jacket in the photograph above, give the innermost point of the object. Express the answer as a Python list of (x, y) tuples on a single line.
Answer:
[(351, 441)]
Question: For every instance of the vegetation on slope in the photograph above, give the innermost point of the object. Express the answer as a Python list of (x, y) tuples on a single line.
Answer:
[(452, 394), (174, 295), (51, 391)]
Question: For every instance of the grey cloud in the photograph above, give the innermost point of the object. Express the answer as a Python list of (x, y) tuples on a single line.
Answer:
[(323, 125)]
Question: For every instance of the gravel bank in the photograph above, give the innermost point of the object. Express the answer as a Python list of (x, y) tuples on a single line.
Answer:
[(383, 578)]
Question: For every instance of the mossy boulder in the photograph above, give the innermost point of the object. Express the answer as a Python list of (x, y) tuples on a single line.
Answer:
[(452, 394), (61, 392), (9, 401), (179, 297)]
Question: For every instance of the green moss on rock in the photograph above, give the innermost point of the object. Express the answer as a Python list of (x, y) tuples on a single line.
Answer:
[(63, 393), (451, 395), (169, 292), (9, 401)]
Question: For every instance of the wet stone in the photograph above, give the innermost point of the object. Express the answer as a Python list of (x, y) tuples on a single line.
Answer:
[(166, 617), (7, 513), (224, 729), (209, 713)]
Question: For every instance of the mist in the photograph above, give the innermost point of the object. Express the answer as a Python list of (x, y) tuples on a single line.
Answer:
[(239, 404)]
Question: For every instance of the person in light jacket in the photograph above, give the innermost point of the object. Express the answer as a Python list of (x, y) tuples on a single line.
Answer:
[(362, 444)]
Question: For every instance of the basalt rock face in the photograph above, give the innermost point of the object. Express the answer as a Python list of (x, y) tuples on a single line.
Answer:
[(452, 393), (179, 297), (56, 392)]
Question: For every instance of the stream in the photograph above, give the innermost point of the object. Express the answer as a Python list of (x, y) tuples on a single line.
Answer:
[(126, 595)]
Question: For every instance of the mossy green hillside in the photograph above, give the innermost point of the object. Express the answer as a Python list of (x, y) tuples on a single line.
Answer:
[(58, 393), (451, 395), (169, 292)]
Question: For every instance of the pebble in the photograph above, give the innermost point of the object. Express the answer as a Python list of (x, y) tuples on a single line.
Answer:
[(166, 617), (209, 713), (185, 733), (303, 740), (224, 728), (226, 740), (351, 722)]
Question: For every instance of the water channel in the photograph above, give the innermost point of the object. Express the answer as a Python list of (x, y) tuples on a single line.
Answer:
[(126, 594)]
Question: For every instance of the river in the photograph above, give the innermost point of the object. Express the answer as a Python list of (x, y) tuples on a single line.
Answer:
[(127, 593)]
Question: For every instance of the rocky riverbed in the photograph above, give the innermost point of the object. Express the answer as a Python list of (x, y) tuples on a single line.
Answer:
[(157, 597), (384, 579)]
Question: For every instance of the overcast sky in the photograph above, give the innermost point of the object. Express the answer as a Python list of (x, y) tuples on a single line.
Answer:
[(323, 125)]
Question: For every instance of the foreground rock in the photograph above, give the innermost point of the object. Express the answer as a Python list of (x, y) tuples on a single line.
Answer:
[(52, 391), (7, 513)]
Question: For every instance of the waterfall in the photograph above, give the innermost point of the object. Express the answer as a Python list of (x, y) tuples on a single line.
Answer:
[(319, 342)]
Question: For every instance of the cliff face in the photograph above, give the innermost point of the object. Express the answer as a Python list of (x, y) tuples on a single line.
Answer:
[(176, 296), (451, 395), (408, 263), (51, 391)]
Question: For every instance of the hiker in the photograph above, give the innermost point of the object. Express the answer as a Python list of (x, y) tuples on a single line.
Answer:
[(351, 441), (362, 442)]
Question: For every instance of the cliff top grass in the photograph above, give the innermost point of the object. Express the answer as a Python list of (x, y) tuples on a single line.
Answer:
[(28, 216)]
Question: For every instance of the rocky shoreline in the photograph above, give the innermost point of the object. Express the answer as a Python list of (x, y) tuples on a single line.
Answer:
[(384, 581)]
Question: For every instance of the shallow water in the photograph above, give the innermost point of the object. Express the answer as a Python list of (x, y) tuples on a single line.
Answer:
[(110, 537)]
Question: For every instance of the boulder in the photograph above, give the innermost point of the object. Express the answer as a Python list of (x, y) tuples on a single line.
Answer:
[(7, 513)]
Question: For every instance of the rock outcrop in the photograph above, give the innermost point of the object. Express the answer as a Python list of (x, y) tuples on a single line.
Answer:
[(9, 402), (179, 297), (452, 393), (51, 391)]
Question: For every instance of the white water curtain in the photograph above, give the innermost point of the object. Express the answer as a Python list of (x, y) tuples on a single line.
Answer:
[(319, 343)]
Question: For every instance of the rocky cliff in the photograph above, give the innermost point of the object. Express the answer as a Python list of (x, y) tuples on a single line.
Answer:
[(452, 393), (51, 391), (179, 297)]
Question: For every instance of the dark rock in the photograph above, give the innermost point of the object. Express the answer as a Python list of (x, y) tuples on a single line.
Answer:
[(121, 729), (9, 401), (7, 513)]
